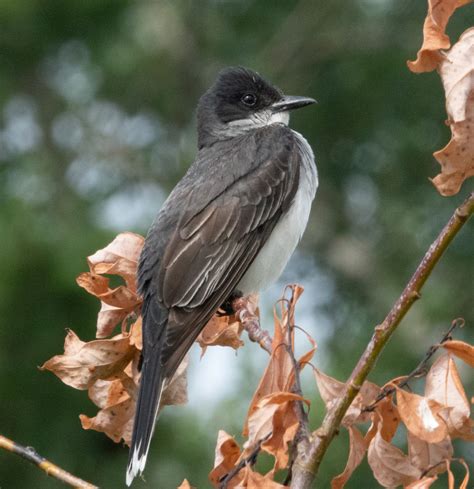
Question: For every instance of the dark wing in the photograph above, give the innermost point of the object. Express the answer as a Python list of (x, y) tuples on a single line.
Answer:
[(214, 244)]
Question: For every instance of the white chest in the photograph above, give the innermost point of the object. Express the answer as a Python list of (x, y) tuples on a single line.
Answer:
[(273, 257)]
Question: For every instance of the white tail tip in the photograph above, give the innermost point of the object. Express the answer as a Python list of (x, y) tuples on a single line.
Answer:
[(136, 466)]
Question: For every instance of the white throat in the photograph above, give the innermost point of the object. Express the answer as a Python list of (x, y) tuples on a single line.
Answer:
[(259, 119)]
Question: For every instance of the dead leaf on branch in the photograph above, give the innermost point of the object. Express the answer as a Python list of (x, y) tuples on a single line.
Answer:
[(274, 420), (279, 374), (457, 157), (84, 363), (331, 390), (357, 448), (424, 455), (434, 35), (227, 455), (462, 350), (120, 257), (390, 466), (422, 416), (444, 386)]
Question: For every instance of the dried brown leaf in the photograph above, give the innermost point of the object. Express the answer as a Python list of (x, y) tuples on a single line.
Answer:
[(424, 455), (462, 350), (120, 257), (254, 480), (422, 416), (115, 419), (434, 36), (227, 454), (424, 483), (279, 374), (84, 363), (357, 448), (457, 157), (331, 390), (390, 466), (389, 418), (275, 416), (221, 331), (443, 385)]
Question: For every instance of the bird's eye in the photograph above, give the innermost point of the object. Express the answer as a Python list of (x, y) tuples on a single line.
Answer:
[(249, 99)]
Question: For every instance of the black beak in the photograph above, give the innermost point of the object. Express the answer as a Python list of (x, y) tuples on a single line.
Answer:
[(291, 102)]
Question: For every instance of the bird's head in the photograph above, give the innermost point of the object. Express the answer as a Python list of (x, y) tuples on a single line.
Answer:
[(241, 100)]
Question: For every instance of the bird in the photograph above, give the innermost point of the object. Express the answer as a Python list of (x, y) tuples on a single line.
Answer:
[(227, 229)]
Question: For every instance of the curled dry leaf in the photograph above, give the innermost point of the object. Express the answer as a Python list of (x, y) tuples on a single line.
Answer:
[(84, 363), (357, 449), (424, 455), (274, 420), (462, 350), (422, 416), (120, 257), (390, 466), (331, 390), (254, 480), (444, 386), (434, 35), (227, 454), (279, 374), (221, 331), (457, 157)]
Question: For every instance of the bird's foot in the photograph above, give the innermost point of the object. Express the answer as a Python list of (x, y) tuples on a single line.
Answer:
[(226, 308)]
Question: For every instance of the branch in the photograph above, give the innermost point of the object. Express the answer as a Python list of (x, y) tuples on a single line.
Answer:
[(251, 324), (420, 370), (30, 454), (250, 460), (310, 454)]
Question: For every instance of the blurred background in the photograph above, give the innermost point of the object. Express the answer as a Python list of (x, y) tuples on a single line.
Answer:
[(97, 124)]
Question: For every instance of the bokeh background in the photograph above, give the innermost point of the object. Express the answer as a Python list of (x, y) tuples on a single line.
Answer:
[(97, 123)]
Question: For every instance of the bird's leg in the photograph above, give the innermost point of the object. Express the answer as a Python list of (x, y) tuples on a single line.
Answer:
[(226, 308)]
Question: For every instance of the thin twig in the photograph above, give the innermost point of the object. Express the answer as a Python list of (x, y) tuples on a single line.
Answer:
[(30, 454), (310, 455), (303, 430), (251, 324), (420, 370), (249, 460)]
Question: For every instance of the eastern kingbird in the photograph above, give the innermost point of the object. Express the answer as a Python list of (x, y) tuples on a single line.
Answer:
[(231, 224)]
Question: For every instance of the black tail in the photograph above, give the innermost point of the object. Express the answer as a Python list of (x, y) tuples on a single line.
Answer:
[(151, 386)]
